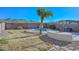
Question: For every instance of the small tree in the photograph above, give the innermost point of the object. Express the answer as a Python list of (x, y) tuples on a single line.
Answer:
[(52, 27), (43, 14)]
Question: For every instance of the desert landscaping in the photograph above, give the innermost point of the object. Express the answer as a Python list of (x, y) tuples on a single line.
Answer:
[(20, 40)]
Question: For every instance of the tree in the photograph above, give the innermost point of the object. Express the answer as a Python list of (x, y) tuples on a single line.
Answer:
[(43, 14)]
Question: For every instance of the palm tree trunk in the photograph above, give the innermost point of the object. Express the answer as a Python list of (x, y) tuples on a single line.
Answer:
[(41, 25), (41, 28)]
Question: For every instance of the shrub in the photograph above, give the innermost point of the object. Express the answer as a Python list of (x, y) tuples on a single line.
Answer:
[(52, 26), (42, 49)]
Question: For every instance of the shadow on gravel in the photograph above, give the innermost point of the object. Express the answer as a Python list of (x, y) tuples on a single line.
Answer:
[(53, 41)]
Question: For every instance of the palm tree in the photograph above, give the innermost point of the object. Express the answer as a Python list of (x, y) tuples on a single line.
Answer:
[(43, 14)]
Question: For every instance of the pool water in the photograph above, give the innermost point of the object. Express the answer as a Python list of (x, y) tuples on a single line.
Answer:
[(75, 36), (38, 30)]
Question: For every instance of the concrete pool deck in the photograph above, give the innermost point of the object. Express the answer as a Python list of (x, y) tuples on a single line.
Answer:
[(63, 36)]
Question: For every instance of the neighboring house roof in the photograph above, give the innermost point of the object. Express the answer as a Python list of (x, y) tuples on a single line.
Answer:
[(16, 21), (19, 22), (69, 20)]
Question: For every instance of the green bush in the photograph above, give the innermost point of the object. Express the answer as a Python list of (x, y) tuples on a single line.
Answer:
[(43, 49), (52, 26), (2, 49)]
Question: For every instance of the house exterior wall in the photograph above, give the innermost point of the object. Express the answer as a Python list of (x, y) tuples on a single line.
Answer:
[(18, 25), (23, 25), (12, 25), (75, 27)]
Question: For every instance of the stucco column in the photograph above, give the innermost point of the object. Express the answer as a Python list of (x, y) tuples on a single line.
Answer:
[(2, 27)]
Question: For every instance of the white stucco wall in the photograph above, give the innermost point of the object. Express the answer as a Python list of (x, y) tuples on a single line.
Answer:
[(2, 27)]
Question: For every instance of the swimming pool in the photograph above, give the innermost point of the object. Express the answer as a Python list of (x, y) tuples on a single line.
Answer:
[(75, 36), (38, 30)]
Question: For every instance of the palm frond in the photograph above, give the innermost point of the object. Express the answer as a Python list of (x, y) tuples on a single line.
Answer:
[(41, 11), (48, 13)]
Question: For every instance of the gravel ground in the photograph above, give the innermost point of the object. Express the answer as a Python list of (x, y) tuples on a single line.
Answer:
[(64, 48), (59, 45), (21, 40)]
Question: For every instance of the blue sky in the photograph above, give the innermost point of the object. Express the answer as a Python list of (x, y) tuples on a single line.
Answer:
[(30, 13)]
